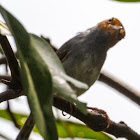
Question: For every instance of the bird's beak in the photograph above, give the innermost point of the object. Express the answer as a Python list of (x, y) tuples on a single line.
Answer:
[(120, 30), (116, 27)]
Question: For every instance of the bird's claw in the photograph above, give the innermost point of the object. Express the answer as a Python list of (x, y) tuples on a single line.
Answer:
[(101, 112)]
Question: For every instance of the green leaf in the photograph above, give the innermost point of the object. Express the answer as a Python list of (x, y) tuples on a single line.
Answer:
[(70, 129), (53, 62), (20, 118), (65, 128), (35, 76), (57, 71), (128, 0), (46, 53)]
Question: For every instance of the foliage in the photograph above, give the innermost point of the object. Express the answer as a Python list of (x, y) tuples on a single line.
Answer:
[(128, 0), (65, 128), (42, 74)]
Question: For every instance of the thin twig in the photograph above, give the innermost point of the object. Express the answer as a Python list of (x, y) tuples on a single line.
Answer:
[(12, 115), (5, 77), (3, 60), (12, 62), (9, 94), (26, 129), (49, 41), (120, 86)]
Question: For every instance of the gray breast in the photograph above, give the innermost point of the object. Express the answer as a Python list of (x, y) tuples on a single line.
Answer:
[(86, 68)]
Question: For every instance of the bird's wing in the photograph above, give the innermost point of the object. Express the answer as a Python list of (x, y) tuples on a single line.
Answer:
[(66, 49), (63, 52)]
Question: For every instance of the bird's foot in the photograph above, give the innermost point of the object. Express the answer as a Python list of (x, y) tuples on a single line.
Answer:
[(100, 111)]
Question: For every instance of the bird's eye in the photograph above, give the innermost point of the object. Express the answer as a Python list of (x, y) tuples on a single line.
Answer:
[(110, 20)]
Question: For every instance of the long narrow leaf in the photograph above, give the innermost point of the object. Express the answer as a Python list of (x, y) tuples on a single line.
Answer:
[(35, 76), (44, 50), (66, 129), (128, 0), (59, 77)]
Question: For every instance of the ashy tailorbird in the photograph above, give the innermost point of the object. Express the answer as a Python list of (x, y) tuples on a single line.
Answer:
[(83, 56)]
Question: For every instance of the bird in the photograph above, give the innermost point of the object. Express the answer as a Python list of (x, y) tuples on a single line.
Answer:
[(84, 55)]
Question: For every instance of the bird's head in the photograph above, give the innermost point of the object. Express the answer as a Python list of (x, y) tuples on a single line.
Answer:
[(114, 28)]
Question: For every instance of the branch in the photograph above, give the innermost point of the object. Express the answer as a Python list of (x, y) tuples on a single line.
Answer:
[(12, 116), (3, 60), (120, 86), (96, 121), (12, 61), (5, 77), (93, 120), (49, 41), (9, 94), (26, 129)]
